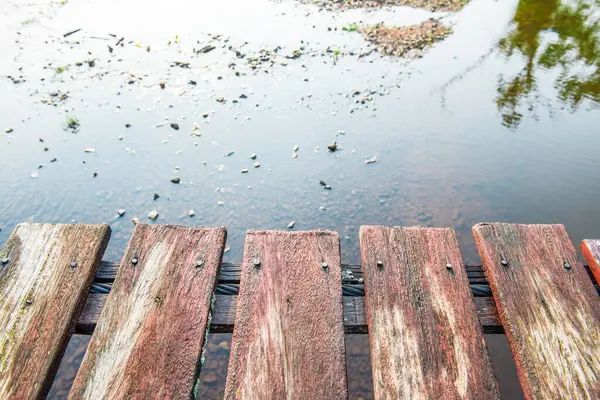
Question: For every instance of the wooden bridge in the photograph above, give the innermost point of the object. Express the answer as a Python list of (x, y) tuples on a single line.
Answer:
[(288, 306)]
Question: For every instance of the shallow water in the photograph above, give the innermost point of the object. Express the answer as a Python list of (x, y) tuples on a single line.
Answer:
[(496, 123)]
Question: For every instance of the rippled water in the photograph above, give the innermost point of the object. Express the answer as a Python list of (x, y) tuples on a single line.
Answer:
[(496, 123)]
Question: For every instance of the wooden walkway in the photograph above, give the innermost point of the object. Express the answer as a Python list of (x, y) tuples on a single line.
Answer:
[(289, 305)]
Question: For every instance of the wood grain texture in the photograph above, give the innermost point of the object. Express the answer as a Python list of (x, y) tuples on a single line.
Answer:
[(591, 251), (426, 342), (288, 341), (548, 306), (150, 334), (44, 277)]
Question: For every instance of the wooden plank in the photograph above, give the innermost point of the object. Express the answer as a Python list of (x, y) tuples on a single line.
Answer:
[(425, 338), (548, 306), (223, 315), (45, 273), (151, 331), (288, 340), (591, 251)]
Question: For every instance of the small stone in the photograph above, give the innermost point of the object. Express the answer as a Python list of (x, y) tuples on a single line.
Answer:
[(175, 126), (127, 125), (332, 147), (295, 155), (121, 212), (253, 156), (35, 175), (327, 187), (256, 165), (153, 215), (244, 171), (243, 96), (175, 180), (191, 213), (291, 225), (322, 183), (156, 196), (162, 85)]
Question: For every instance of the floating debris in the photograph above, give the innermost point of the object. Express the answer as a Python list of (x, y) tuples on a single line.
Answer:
[(153, 215), (205, 49), (431, 5), (406, 41), (191, 213), (291, 225), (175, 180), (121, 212)]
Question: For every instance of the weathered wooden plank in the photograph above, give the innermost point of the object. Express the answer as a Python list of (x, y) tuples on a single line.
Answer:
[(548, 306), (150, 334), (591, 251), (425, 338), (288, 340), (45, 273)]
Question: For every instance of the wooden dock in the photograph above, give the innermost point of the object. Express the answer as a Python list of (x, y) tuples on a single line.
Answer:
[(289, 304)]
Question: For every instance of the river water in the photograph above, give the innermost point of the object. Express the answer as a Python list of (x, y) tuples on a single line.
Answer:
[(498, 122)]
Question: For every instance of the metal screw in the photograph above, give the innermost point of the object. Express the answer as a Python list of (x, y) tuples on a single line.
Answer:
[(134, 260), (324, 265), (380, 263), (567, 265), (74, 264), (504, 262), (199, 264), (448, 266), (256, 262)]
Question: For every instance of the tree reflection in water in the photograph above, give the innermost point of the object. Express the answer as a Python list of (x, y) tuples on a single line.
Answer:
[(551, 34)]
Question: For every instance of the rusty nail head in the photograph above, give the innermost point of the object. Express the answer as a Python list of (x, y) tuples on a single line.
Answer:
[(448, 266), (324, 265), (504, 262), (74, 264), (567, 265)]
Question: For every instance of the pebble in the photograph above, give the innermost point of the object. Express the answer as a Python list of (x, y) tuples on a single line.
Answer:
[(291, 225), (35, 175), (156, 196), (175, 179), (121, 212), (153, 215), (192, 213), (244, 171), (175, 126), (256, 165), (253, 156), (294, 155)]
